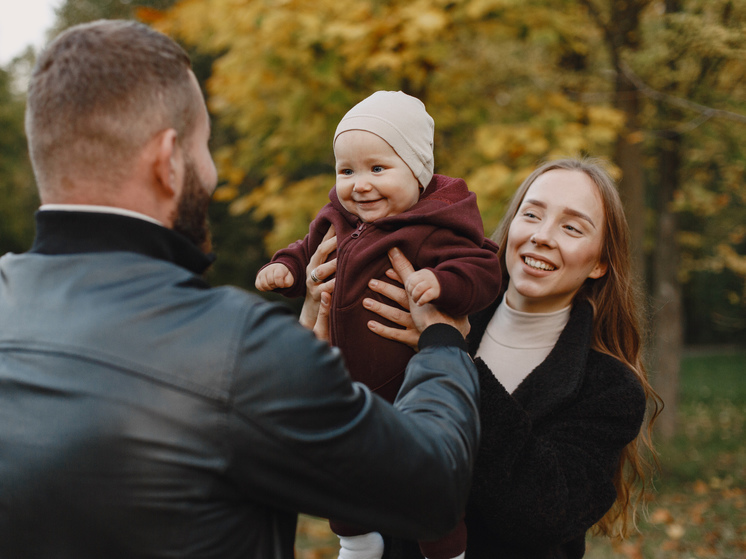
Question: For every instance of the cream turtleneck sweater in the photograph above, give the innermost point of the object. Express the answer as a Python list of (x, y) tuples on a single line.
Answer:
[(515, 342)]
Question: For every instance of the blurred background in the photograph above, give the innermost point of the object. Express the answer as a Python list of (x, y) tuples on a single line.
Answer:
[(655, 87)]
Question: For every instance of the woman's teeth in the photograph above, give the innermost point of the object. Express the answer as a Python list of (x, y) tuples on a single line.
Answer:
[(538, 264)]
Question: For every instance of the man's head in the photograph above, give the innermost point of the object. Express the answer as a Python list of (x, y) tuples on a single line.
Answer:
[(111, 103), (402, 122)]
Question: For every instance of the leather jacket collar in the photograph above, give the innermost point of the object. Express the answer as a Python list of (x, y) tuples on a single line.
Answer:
[(63, 232)]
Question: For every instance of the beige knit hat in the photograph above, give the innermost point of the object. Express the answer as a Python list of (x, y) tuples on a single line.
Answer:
[(402, 121)]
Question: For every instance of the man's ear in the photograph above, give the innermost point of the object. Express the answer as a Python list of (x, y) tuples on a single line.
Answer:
[(168, 164)]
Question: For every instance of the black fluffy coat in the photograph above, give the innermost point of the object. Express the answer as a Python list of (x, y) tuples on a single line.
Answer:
[(549, 450)]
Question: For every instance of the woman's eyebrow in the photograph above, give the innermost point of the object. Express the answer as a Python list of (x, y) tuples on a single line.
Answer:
[(566, 210), (581, 215)]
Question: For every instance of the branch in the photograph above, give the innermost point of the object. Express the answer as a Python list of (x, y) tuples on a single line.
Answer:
[(705, 112)]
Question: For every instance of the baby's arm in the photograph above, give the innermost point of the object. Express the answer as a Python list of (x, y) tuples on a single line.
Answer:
[(424, 286), (274, 276)]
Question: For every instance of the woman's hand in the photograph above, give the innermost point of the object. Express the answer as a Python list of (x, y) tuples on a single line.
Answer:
[(419, 317), (317, 271)]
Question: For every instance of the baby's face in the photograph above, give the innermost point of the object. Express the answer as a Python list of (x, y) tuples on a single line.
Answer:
[(372, 180)]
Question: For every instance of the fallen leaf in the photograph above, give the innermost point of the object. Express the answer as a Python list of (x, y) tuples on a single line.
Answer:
[(675, 531), (661, 516), (700, 487)]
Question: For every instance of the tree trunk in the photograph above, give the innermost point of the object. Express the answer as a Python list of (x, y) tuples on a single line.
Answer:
[(623, 36), (632, 185), (668, 317), (667, 305)]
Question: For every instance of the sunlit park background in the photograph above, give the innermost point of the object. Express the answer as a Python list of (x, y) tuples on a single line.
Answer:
[(657, 87)]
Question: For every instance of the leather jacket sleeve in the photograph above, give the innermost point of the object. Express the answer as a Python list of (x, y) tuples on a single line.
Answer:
[(304, 438)]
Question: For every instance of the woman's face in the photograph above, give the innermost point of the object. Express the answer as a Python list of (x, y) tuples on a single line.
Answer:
[(554, 241)]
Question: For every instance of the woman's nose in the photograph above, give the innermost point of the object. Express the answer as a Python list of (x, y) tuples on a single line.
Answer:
[(543, 236)]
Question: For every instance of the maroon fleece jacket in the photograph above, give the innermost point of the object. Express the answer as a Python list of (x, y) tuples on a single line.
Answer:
[(443, 232)]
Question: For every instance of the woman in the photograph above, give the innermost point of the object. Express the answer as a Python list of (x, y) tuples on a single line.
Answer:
[(564, 390)]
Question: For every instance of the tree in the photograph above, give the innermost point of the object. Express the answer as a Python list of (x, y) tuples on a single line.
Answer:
[(73, 12), (682, 48), (16, 178), (286, 72)]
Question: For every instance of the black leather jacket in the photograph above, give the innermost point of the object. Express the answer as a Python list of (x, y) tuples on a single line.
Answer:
[(144, 414)]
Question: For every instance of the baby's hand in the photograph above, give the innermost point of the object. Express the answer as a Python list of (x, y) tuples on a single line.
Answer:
[(274, 276), (423, 286)]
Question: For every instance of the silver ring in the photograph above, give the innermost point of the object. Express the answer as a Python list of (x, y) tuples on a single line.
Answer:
[(314, 278)]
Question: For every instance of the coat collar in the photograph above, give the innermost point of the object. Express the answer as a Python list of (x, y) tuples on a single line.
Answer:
[(70, 232), (559, 377)]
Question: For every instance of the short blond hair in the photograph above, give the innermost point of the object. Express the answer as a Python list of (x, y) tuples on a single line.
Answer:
[(99, 93)]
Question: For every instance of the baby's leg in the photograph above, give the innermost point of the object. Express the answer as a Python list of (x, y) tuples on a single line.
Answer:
[(364, 546), (356, 543)]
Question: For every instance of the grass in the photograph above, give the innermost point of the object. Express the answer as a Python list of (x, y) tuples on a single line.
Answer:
[(698, 509)]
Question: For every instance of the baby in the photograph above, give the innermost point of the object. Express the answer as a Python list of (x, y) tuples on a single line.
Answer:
[(386, 196)]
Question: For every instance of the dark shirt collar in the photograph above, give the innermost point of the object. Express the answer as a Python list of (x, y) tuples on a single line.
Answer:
[(71, 232)]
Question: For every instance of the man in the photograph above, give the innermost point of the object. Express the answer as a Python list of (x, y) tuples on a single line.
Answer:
[(143, 414)]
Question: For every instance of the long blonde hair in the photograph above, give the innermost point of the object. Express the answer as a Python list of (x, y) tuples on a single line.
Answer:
[(616, 330)]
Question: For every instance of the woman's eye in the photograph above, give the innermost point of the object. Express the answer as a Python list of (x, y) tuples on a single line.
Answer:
[(529, 214), (572, 229)]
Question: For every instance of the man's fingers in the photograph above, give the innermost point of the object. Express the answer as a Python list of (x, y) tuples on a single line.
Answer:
[(408, 336), (393, 314), (325, 248), (327, 268), (321, 328), (401, 265), (391, 273), (393, 292)]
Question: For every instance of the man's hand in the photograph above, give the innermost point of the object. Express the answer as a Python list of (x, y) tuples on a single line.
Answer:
[(274, 276), (423, 315), (318, 273)]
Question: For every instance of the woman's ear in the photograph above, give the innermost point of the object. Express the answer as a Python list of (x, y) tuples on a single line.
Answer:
[(599, 270), (169, 164)]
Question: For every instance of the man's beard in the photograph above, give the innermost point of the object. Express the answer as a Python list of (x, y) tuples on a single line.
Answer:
[(191, 212)]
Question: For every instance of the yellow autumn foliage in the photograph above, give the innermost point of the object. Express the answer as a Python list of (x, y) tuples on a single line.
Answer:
[(489, 71)]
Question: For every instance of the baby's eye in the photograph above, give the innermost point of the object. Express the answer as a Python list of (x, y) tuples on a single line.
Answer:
[(377, 168), (346, 172)]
